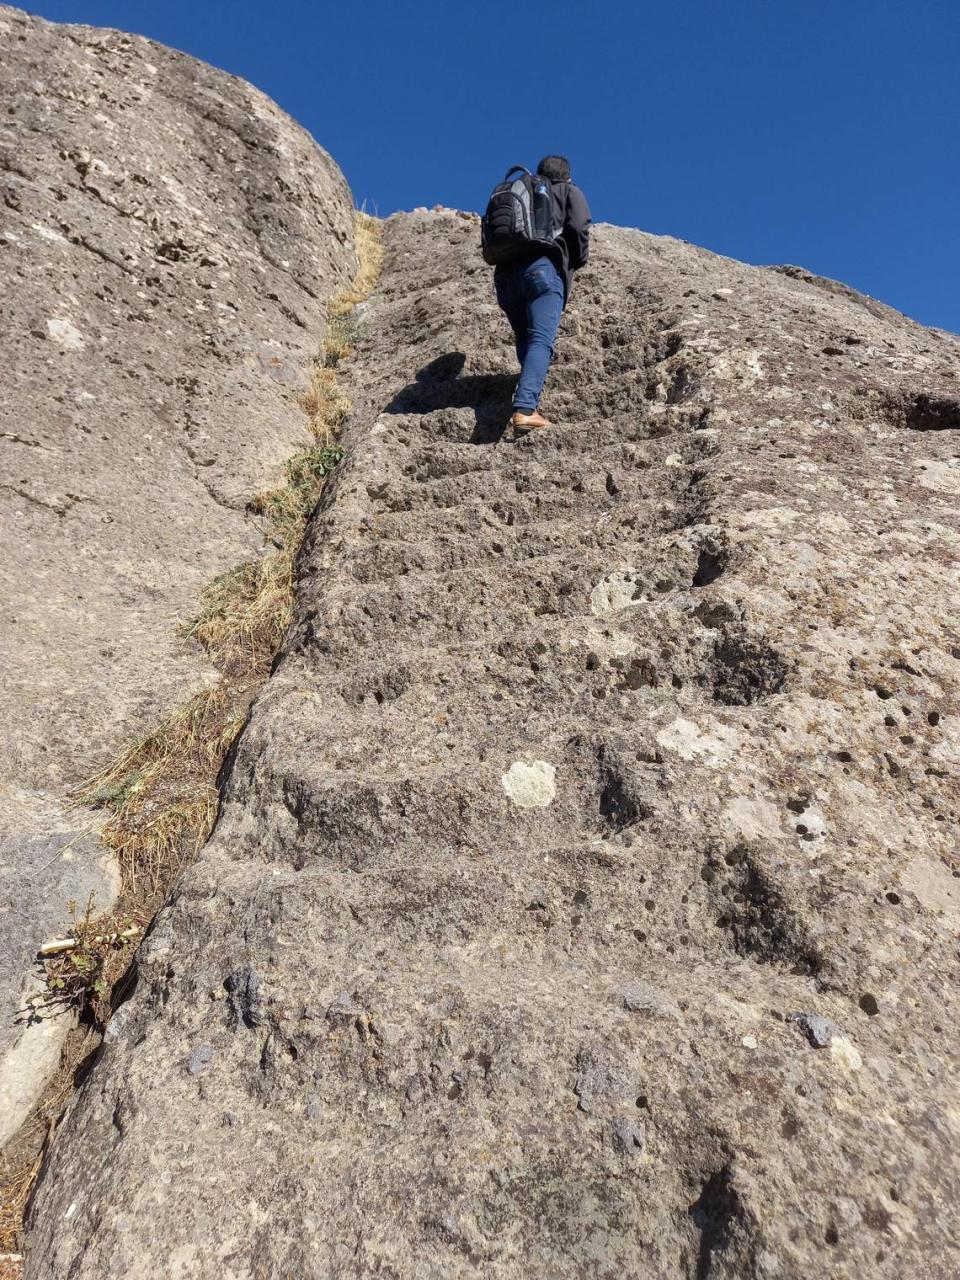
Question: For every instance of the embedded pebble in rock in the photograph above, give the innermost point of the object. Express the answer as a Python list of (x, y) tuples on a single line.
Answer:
[(200, 1058), (819, 1031), (65, 333), (480, 1090), (629, 1135), (640, 997)]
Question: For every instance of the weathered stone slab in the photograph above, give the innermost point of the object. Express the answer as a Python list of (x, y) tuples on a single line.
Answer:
[(49, 858), (168, 239), (480, 798)]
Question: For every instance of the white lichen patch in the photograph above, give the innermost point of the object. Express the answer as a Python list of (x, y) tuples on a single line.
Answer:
[(530, 786), (614, 592), (845, 1053), (810, 825), (753, 818), (760, 517), (935, 886), (714, 746), (944, 477), (65, 333), (752, 362), (47, 233)]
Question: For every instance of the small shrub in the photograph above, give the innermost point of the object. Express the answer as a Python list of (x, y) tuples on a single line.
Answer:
[(82, 969)]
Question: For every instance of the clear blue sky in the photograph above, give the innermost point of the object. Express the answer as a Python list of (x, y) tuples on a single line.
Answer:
[(818, 132)]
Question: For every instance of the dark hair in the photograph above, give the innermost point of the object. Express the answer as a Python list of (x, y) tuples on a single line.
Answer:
[(556, 168)]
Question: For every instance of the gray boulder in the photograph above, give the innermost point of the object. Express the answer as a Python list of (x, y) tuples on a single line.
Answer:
[(168, 239), (664, 698)]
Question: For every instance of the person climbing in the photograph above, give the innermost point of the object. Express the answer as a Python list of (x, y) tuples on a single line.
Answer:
[(536, 233)]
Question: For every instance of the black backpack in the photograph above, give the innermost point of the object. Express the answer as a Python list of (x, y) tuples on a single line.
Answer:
[(519, 217)]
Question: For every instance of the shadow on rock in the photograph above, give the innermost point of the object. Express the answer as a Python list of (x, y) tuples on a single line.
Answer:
[(438, 385)]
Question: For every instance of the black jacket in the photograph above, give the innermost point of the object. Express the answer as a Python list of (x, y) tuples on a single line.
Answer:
[(571, 211)]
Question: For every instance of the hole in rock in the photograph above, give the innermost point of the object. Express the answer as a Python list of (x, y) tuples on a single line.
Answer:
[(710, 565), (619, 808), (714, 1213), (745, 669), (922, 411)]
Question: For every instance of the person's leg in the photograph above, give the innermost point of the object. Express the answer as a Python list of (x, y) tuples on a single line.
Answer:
[(513, 304), (543, 290)]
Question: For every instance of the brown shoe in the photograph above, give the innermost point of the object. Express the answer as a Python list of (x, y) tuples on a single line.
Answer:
[(524, 422)]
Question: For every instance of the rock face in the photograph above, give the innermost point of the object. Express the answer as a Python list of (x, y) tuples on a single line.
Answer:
[(167, 242), (581, 903), (50, 858)]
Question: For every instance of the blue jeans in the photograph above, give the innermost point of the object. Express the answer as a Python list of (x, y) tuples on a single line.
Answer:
[(531, 297)]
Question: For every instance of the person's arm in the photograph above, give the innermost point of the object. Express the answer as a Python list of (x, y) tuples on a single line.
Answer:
[(577, 228)]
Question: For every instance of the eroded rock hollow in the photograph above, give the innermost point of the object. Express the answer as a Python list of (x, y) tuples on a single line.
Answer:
[(584, 897)]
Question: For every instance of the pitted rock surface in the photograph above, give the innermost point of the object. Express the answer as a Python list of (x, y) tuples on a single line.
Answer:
[(168, 238), (395, 1023)]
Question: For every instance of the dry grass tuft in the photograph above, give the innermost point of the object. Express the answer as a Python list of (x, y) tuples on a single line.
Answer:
[(326, 405), (368, 239), (161, 793), (16, 1182), (246, 611), (339, 340), (83, 968)]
